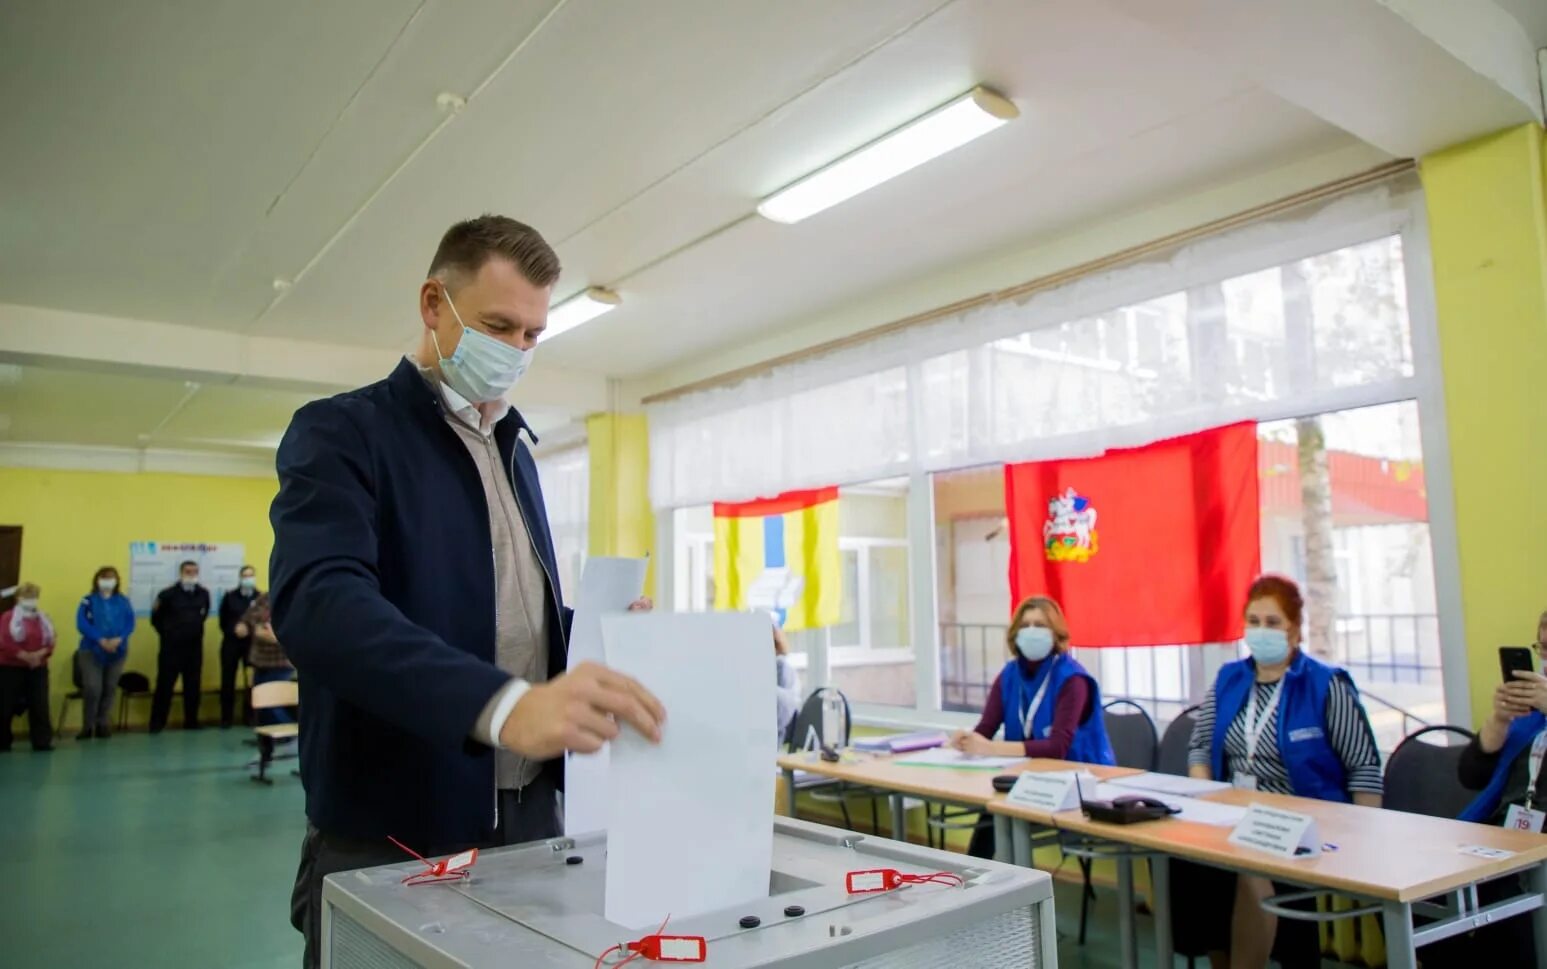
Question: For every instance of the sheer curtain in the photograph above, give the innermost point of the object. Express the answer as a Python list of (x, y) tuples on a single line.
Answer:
[(1300, 314), (566, 481)]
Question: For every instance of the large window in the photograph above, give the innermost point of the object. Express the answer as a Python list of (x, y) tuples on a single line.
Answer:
[(565, 476), (1314, 325)]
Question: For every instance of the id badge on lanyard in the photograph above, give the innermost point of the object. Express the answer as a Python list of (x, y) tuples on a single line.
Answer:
[(1036, 701), (1524, 817), (1256, 724)]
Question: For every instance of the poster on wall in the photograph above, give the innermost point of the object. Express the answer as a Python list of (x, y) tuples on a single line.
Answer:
[(154, 565)]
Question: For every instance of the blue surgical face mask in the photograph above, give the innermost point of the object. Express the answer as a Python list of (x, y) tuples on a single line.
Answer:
[(1269, 647), (481, 368), (1034, 642), (249, 582)]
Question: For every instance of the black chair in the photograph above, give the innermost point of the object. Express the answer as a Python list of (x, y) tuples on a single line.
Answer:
[(130, 686), (1421, 773), (1135, 741), (1172, 758), (805, 733), (72, 696)]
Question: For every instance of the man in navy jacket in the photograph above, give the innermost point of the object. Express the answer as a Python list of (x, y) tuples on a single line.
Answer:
[(415, 590)]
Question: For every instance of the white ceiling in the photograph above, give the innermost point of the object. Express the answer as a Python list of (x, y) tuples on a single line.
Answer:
[(169, 160)]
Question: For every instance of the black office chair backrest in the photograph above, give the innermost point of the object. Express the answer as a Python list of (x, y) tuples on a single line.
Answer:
[(132, 682), (1174, 742), (1421, 774), (1132, 734), (805, 731)]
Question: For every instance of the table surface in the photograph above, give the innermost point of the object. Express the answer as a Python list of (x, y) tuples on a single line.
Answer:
[(1389, 855), (966, 787)]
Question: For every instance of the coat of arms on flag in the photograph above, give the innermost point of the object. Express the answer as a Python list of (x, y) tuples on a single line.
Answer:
[(780, 555)]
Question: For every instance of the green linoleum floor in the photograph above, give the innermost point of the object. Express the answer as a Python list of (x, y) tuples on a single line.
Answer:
[(159, 852)]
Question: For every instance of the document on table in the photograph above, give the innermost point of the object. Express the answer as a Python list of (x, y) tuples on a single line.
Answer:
[(690, 820), (1171, 784), (607, 586), (950, 757)]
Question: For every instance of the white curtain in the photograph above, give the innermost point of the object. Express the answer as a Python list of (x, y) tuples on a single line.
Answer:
[(566, 482), (1300, 314)]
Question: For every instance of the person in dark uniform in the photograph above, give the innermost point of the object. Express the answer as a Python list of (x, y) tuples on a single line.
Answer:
[(235, 639), (178, 615)]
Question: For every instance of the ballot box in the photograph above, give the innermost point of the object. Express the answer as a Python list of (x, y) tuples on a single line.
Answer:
[(539, 906)]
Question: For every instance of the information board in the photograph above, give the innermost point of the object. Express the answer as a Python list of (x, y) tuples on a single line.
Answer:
[(154, 565)]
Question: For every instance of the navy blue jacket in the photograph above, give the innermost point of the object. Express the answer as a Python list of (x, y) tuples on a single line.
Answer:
[(383, 597)]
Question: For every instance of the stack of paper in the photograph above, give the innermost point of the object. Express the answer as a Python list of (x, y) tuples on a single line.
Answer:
[(689, 825), (948, 757), (899, 743), (1171, 784)]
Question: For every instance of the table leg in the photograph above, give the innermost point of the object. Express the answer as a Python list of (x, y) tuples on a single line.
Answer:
[(1536, 881), (1160, 902), (789, 789), (1004, 850), (1125, 920), (899, 820), (1398, 923), (1020, 843)]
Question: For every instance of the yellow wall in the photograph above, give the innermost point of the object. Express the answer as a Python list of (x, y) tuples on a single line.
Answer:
[(1488, 222), (77, 521), (621, 522)]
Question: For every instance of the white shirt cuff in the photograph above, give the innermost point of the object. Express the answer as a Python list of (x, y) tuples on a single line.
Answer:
[(492, 720)]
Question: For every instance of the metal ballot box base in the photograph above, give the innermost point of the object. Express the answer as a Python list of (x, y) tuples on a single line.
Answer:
[(528, 906)]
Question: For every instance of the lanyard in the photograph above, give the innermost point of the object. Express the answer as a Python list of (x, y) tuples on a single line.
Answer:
[(1257, 721), (1036, 701), (1538, 751)]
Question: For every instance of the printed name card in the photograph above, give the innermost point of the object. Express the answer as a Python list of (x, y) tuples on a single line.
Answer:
[(1282, 833), (1047, 790)]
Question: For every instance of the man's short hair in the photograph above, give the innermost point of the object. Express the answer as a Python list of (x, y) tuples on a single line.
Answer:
[(186, 564), (467, 245)]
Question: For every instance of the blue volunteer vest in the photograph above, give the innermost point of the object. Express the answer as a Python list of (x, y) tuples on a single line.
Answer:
[(1521, 733), (1314, 767), (1016, 689)]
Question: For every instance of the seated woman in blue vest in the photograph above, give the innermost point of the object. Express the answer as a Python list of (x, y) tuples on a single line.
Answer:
[(1504, 762), (1283, 722), (1047, 703)]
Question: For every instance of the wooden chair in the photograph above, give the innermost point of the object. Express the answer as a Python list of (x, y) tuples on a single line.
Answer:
[(268, 696)]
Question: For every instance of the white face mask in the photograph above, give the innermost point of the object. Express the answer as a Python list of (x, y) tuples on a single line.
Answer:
[(27, 606), (249, 582), (481, 368), (190, 584), (105, 586)]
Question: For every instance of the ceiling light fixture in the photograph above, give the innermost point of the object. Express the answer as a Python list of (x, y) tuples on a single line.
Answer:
[(951, 125), (581, 308)]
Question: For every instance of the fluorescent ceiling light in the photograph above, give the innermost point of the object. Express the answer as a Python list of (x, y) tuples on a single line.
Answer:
[(581, 308), (951, 125)]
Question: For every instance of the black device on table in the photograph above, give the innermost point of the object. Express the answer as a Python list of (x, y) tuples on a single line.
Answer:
[(1004, 782), (1127, 809), (1512, 658)]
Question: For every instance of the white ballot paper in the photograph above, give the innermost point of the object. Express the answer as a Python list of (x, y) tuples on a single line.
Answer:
[(690, 820), (607, 586)]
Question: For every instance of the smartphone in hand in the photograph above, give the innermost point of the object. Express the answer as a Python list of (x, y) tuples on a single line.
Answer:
[(1512, 658)]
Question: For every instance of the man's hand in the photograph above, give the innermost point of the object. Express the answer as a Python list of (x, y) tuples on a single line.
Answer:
[(1528, 690), (580, 711), (642, 604), (241, 630)]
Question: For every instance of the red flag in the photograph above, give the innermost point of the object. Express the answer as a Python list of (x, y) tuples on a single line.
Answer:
[(1147, 546)]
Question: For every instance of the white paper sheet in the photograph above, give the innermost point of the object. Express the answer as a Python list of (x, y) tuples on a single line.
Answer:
[(690, 820), (607, 586), (949, 757), (1171, 784)]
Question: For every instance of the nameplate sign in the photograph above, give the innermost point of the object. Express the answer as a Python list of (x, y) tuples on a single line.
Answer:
[(1046, 791), (1282, 833)]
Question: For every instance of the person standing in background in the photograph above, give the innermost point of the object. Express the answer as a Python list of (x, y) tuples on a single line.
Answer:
[(26, 643), (267, 659), (105, 620), (235, 639), (178, 615), (786, 679)]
